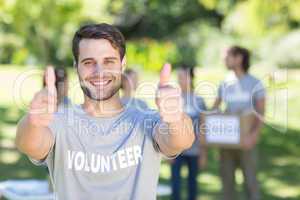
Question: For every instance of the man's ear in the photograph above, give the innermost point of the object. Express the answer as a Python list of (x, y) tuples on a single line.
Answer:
[(124, 62), (74, 64)]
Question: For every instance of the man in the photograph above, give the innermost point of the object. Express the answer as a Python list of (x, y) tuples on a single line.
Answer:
[(99, 150), (242, 93), (129, 86)]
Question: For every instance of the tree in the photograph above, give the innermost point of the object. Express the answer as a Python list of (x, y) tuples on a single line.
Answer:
[(159, 19)]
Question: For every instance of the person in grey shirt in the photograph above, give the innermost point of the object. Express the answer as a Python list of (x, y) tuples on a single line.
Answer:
[(241, 93), (196, 155), (129, 85), (99, 149)]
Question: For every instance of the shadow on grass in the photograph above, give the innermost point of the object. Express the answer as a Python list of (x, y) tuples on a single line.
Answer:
[(21, 169)]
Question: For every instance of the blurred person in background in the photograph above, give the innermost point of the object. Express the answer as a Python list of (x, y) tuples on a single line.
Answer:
[(194, 157), (129, 86), (62, 86), (241, 93)]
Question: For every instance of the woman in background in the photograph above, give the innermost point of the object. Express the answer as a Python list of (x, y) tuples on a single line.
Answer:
[(196, 155)]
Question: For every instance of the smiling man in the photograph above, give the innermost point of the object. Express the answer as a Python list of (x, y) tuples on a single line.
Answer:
[(99, 149)]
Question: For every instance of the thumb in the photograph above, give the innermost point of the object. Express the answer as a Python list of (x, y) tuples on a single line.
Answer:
[(165, 74), (50, 80)]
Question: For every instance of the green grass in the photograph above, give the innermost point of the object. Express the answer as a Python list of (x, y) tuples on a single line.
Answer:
[(279, 151)]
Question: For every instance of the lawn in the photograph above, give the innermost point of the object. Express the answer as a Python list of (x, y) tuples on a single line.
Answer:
[(279, 145)]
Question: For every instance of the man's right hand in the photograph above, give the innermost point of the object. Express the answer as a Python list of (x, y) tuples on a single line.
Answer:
[(44, 103), (34, 137)]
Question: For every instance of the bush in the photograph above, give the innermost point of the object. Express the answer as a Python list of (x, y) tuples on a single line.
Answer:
[(286, 51)]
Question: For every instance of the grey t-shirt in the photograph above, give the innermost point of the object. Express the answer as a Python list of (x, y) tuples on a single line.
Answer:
[(193, 105), (242, 94), (136, 103), (104, 158)]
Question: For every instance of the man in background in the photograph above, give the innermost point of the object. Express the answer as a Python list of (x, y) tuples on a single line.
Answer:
[(240, 93), (129, 86)]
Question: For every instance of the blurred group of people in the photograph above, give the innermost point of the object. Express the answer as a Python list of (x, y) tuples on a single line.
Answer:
[(239, 93)]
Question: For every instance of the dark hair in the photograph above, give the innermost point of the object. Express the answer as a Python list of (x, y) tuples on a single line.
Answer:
[(238, 50), (125, 74), (60, 77), (190, 71), (99, 31), (129, 71)]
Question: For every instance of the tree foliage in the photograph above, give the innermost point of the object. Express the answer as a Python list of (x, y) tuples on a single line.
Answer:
[(40, 31)]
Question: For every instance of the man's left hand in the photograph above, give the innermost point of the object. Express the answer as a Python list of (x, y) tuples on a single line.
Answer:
[(168, 98)]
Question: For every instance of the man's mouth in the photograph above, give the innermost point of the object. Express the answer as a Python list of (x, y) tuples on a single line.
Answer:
[(101, 83)]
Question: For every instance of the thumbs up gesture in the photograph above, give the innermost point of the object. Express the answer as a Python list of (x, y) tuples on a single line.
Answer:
[(168, 98), (44, 102)]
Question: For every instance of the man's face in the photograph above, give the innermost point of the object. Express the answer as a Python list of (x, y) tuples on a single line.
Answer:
[(232, 61), (99, 69)]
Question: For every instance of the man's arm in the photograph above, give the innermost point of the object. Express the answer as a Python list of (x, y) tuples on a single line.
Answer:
[(202, 162), (254, 134), (32, 140), (173, 138), (258, 121), (33, 137), (217, 103), (218, 99), (175, 133)]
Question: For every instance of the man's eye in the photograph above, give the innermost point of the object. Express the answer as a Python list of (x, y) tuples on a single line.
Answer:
[(109, 62), (88, 63)]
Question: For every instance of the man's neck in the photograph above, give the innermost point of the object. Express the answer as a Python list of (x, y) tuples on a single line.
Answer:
[(239, 73), (107, 108)]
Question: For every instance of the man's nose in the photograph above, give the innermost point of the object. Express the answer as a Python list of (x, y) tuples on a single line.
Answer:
[(98, 68)]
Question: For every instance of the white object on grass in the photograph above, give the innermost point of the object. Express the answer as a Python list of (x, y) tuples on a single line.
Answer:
[(25, 190), (163, 190)]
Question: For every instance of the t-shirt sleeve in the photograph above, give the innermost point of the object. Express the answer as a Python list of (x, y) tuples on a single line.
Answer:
[(150, 122), (53, 126), (259, 91), (154, 120)]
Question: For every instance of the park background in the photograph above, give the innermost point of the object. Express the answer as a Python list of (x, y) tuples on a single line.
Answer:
[(34, 33)]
